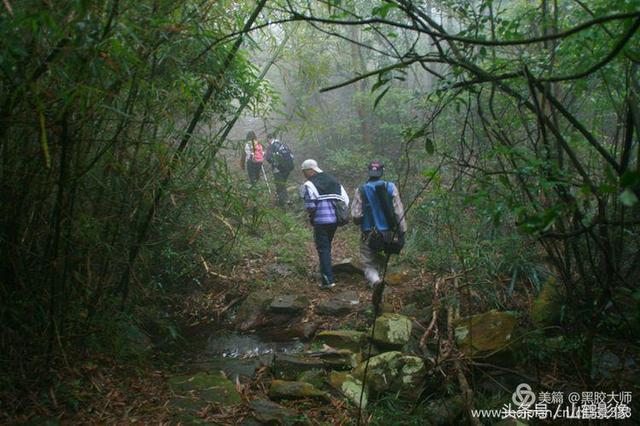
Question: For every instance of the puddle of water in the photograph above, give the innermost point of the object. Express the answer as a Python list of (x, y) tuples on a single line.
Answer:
[(242, 346), (239, 355)]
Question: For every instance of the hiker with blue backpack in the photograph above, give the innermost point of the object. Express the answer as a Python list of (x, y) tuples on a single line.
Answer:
[(326, 202), (280, 157), (378, 209)]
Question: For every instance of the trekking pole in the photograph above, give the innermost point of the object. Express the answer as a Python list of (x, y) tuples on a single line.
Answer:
[(265, 178)]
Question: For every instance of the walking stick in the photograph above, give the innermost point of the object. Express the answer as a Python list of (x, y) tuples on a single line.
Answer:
[(265, 178)]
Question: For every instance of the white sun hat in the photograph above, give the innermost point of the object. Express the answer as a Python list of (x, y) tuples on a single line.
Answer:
[(311, 165)]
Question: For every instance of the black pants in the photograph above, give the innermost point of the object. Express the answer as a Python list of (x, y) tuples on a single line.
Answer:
[(253, 169), (281, 186)]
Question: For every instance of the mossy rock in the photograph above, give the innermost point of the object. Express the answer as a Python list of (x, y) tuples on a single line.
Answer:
[(485, 333), (546, 309), (339, 305), (395, 372), (289, 304), (269, 413), (392, 330), (289, 367), (204, 387), (315, 377), (283, 389), (349, 386), (342, 339)]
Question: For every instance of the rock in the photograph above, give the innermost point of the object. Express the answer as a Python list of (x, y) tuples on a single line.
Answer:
[(394, 372), (278, 270), (269, 412), (289, 367), (347, 267), (546, 309), (350, 387), (392, 330), (204, 387), (415, 311), (251, 313), (339, 305), (387, 307), (290, 304), (297, 331), (445, 411), (485, 333), (342, 339), (336, 358), (294, 390), (273, 320), (396, 278), (315, 377)]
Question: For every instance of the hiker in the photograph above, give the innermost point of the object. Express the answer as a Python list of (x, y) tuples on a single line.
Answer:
[(322, 193), (252, 157), (281, 159), (378, 210)]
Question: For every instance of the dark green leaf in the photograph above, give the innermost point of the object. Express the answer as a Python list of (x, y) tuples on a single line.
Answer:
[(429, 145), (380, 96)]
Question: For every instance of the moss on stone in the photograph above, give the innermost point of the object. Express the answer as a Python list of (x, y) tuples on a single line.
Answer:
[(484, 333), (392, 329), (546, 309)]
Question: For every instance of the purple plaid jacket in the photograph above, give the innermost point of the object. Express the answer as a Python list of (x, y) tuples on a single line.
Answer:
[(322, 212)]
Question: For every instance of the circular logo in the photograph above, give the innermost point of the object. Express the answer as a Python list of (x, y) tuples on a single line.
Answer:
[(523, 396)]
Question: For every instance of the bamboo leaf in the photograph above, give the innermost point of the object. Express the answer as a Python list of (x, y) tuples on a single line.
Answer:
[(429, 146), (43, 142), (380, 96), (379, 83)]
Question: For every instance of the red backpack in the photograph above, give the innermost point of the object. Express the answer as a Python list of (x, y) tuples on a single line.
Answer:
[(258, 154)]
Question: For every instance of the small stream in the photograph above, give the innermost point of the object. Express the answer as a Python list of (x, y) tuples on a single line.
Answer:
[(238, 355)]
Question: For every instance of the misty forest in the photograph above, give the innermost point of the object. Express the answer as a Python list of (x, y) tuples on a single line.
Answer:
[(157, 266)]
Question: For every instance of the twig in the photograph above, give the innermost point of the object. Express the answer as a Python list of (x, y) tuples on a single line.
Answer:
[(462, 379), (7, 5), (224, 221), (435, 308), (230, 305)]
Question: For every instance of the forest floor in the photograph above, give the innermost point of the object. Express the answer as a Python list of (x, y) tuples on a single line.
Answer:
[(94, 387), (108, 389)]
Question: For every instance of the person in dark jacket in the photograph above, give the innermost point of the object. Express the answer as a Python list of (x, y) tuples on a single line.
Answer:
[(281, 159), (368, 212), (320, 193)]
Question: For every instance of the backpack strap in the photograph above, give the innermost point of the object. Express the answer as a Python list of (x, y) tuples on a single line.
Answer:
[(387, 206)]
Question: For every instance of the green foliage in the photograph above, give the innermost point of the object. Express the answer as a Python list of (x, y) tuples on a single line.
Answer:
[(390, 410), (96, 192), (459, 234)]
